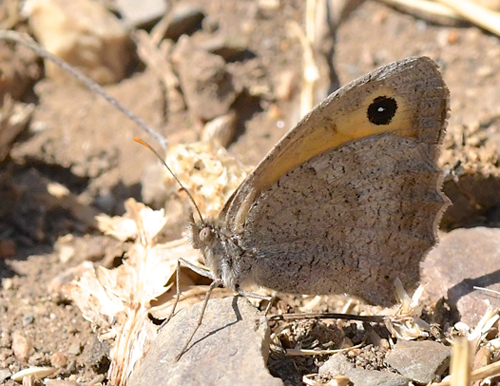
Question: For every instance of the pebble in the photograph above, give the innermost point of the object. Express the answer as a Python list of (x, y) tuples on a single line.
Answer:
[(338, 365), (58, 360), (5, 338), (7, 284), (75, 349), (21, 346), (28, 319), (205, 82), (421, 361), (221, 130)]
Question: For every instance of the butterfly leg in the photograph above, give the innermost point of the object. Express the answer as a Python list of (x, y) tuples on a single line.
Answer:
[(214, 284), (192, 267)]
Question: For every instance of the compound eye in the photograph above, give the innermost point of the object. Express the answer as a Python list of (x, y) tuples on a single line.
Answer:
[(205, 235)]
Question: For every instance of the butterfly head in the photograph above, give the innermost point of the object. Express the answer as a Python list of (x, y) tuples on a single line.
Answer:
[(220, 252), (203, 236)]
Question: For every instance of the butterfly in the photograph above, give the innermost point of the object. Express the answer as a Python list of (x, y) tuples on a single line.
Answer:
[(348, 201)]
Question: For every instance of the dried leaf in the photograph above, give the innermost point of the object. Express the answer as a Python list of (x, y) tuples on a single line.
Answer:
[(119, 300), (406, 324)]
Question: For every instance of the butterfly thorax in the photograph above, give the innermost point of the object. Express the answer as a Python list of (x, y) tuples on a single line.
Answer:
[(221, 252)]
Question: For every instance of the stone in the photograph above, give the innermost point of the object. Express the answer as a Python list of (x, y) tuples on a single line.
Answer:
[(205, 82), (229, 46), (421, 361), (58, 360), (185, 19), (21, 346), (84, 34), (338, 365), (464, 259), (230, 348), (140, 14)]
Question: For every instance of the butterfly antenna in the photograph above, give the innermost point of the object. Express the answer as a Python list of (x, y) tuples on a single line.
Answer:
[(173, 175), (27, 41)]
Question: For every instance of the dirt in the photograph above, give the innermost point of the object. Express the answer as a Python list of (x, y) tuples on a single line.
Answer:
[(77, 140)]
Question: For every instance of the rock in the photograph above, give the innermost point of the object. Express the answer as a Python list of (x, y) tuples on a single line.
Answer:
[(423, 361), (28, 319), (5, 336), (7, 284), (185, 19), (140, 14), (207, 85), (229, 46), (22, 348), (83, 33), (58, 360), (230, 348), (338, 365), (75, 349), (463, 259), (221, 130)]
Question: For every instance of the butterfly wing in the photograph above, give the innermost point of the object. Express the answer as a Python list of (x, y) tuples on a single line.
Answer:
[(349, 199)]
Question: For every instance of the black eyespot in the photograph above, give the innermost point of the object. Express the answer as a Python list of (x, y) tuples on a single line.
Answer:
[(382, 110)]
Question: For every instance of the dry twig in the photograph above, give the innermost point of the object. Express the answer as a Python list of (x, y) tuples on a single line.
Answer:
[(476, 14), (452, 9)]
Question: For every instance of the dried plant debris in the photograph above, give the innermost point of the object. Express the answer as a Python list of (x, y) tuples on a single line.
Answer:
[(207, 171), (119, 301), (157, 59), (406, 323), (469, 346), (484, 14)]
